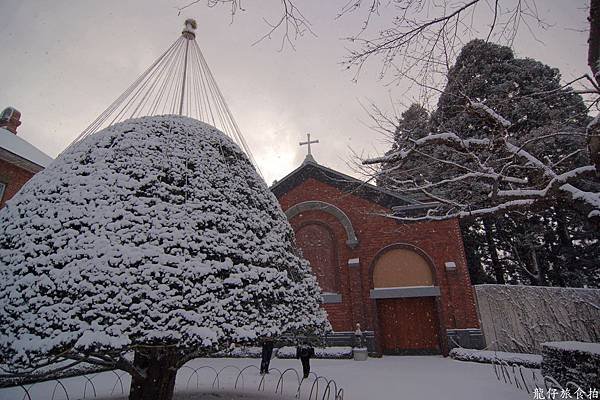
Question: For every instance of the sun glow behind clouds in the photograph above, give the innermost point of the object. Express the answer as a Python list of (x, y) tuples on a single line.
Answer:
[(274, 142)]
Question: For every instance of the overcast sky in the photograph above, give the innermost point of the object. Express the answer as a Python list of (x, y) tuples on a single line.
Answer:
[(64, 61)]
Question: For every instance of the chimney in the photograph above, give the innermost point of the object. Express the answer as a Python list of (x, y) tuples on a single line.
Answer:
[(10, 119)]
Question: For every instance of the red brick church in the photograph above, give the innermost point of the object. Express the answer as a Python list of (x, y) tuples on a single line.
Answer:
[(406, 284)]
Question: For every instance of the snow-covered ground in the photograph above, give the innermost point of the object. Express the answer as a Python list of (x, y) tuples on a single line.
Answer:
[(397, 378)]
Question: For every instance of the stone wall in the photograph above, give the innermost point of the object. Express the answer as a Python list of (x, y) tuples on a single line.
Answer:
[(520, 318)]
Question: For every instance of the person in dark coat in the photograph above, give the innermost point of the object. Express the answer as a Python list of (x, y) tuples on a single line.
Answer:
[(304, 353), (267, 352)]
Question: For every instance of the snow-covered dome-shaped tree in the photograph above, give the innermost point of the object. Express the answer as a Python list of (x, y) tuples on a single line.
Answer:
[(154, 235)]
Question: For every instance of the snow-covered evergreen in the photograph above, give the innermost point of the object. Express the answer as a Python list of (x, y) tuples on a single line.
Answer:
[(153, 232), (505, 148)]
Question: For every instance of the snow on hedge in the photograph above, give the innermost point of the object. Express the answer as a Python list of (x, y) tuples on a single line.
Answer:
[(583, 347), (320, 352), (240, 352), (156, 230), (488, 356), (572, 361)]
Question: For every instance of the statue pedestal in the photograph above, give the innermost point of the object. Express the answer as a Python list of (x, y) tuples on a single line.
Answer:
[(360, 353)]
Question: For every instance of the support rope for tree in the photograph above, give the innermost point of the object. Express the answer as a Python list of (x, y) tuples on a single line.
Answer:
[(178, 82)]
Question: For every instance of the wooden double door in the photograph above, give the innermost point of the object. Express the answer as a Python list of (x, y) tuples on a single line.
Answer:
[(408, 325)]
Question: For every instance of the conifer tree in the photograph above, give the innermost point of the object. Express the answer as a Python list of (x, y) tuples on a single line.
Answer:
[(533, 246), (153, 237)]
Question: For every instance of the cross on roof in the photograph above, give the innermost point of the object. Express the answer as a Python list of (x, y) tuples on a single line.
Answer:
[(308, 142)]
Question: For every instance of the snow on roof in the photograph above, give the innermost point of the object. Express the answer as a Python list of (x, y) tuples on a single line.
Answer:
[(22, 148)]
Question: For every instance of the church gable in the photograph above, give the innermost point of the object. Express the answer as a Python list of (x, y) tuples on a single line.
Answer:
[(351, 216), (344, 183)]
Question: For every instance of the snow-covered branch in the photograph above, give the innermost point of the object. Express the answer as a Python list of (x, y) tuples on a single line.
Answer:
[(484, 162), (491, 114), (448, 139)]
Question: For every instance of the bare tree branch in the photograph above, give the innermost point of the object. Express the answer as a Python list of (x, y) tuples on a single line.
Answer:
[(291, 24), (429, 31)]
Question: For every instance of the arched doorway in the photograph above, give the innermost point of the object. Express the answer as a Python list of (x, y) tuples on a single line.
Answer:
[(405, 294), (318, 247)]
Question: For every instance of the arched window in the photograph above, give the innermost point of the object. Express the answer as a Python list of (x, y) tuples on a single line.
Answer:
[(401, 267), (318, 247)]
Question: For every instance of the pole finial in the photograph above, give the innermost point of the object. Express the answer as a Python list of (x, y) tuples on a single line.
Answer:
[(190, 28)]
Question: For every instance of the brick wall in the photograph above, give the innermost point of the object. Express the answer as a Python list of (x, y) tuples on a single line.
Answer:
[(14, 178), (440, 241)]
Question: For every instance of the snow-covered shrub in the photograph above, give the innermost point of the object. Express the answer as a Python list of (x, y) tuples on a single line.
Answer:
[(488, 356), (157, 235), (576, 362)]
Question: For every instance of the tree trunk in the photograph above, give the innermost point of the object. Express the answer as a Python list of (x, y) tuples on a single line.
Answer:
[(476, 272), (537, 272), (553, 248), (160, 367), (569, 259), (594, 63), (489, 236), (594, 39), (473, 253)]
